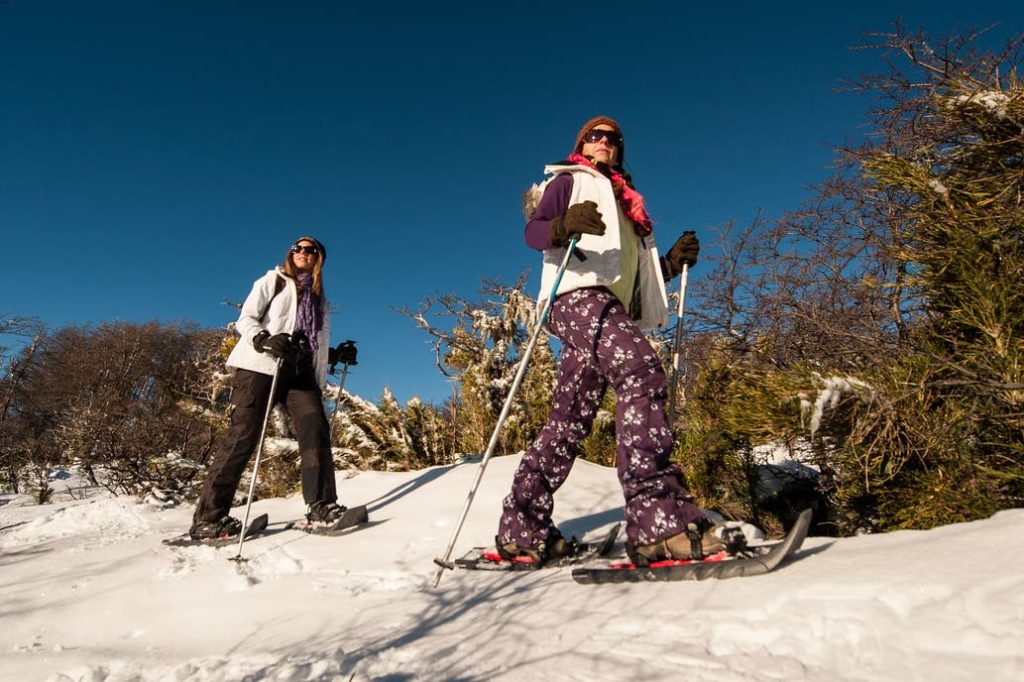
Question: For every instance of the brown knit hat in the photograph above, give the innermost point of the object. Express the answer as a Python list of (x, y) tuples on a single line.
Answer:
[(593, 123)]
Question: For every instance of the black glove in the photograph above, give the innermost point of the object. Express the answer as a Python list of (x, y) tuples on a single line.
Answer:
[(279, 346), (578, 219), (683, 252), (345, 354)]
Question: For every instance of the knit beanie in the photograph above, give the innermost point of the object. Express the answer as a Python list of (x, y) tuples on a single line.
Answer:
[(316, 242), (593, 123)]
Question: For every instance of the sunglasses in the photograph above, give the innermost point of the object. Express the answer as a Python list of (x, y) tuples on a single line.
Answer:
[(311, 250), (596, 134)]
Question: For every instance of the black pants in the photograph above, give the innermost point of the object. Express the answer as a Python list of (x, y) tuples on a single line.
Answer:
[(302, 398)]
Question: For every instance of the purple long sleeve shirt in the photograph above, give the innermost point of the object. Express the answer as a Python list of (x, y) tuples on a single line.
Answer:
[(553, 204)]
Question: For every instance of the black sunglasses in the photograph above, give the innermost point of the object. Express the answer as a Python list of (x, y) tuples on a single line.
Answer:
[(596, 134), (311, 250)]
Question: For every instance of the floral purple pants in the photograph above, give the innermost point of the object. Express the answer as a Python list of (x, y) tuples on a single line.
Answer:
[(602, 346)]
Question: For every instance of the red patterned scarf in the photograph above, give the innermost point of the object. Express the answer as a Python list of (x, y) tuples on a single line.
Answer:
[(632, 202)]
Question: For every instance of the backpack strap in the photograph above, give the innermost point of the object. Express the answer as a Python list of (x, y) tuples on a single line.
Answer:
[(278, 286)]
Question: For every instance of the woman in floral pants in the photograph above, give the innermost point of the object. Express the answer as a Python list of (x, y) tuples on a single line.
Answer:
[(612, 289)]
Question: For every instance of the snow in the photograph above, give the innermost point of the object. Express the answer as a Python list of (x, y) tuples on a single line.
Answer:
[(834, 389), (995, 101), (938, 187), (88, 592)]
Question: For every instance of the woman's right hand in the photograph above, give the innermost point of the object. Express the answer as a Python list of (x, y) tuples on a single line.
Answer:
[(578, 219), (279, 345)]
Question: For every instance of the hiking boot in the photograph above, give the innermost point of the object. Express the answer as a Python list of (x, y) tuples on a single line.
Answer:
[(700, 539), (324, 512), (556, 547), (223, 528)]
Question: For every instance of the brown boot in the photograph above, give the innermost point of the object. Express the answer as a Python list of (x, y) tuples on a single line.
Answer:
[(692, 544), (510, 551), (556, 547)]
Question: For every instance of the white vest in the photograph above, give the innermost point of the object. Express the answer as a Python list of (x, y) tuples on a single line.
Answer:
[(602, 267), (280, 317)]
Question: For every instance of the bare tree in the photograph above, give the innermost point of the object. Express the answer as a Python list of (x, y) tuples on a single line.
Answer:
[(133, 401)]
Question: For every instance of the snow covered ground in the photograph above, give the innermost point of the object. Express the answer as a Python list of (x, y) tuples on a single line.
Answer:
[(88, 592)]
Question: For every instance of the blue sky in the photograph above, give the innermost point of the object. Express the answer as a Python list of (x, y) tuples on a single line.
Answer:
[(157, 157)]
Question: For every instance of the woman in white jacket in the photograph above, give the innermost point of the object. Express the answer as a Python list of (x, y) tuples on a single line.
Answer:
[(284, 319)]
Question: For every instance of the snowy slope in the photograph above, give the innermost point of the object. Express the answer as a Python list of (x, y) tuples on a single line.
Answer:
[(88, 592)]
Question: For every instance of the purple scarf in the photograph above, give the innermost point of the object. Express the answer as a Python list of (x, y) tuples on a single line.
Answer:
[(309, 318)]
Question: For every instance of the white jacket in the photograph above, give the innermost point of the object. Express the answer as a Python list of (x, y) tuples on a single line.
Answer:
[(280, 317), (602, 267)]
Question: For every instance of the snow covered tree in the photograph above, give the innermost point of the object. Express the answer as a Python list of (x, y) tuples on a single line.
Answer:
[(479, 346), (430, 432), (372, 436)]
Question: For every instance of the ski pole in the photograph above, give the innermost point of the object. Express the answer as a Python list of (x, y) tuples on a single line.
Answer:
[(445, 563), (676, 344), (344, 373), (256, 464), (337, 399)]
